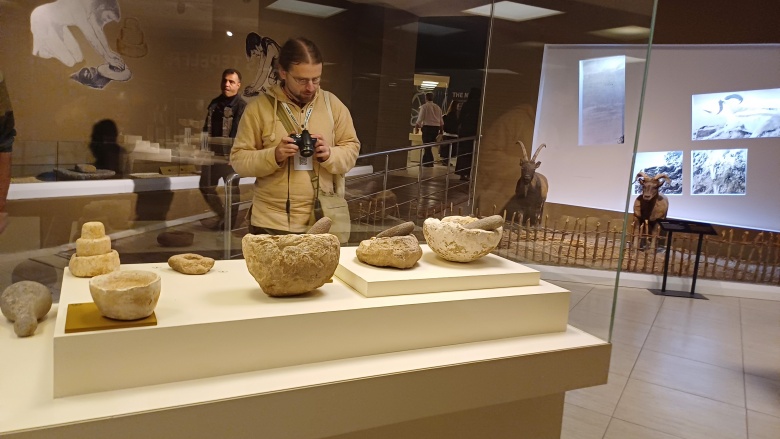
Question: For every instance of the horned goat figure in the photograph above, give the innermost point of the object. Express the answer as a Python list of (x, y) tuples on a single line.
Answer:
[(755, 118), (531, 189), (650, 206)]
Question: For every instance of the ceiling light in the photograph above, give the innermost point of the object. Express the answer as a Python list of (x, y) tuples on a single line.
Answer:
[(429, 29), (623, 33), (305, 8), (230, 34), (429, 83), (513, 11)]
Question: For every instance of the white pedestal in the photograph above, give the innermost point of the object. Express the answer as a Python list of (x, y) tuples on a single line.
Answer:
[(222, 323), (432, 274)]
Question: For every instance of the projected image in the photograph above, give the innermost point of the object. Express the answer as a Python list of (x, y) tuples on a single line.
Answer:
[(662, 162), (602, 100), (736, 115), (719, 172)]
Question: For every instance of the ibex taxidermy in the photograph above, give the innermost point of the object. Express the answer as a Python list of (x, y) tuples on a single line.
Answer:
[(531, 189), (650, 205)]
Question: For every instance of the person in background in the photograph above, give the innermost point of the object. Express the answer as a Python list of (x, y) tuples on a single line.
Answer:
[(429, 119), (7, 135), (450, 131), (104, 147), (222, 119), (284, 194), (467, 127)]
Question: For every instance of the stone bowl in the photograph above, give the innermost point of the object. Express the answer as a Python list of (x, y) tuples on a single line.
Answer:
[(450, 240), (288, 265), (126, 295)]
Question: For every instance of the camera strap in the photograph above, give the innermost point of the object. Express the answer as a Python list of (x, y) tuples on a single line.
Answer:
[(292, 118)]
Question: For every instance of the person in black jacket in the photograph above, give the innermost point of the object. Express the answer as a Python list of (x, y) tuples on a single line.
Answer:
[(224, 113), (450, 132), (467, 126)]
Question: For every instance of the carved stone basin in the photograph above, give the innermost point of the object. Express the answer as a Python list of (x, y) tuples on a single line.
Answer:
[(288, 265), (126, 295), (450, 240)]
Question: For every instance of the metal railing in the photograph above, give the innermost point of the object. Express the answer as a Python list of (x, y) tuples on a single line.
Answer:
[(408, 187)]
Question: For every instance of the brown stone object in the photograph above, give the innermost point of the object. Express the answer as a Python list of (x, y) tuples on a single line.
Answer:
[(395, 251), (399, 230), (288, 265), (88, 266), (321, 226), (451, 240), (191, 263), (24, 303), (83, 167), (93, 229), (175, 238), (93, 246), (488, 223), (126, 295)]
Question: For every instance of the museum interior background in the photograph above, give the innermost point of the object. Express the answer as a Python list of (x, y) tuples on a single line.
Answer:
[(528, 72)]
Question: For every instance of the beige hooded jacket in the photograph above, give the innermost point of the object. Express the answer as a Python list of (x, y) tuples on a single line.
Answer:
[(252, 155)]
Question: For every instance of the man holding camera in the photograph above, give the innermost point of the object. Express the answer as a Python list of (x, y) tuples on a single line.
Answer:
[(293, 139)]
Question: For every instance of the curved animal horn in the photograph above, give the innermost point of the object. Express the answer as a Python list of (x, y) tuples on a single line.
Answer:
[(538, 150), (734, 96), (641, 175), (663, 176), (522, 145)]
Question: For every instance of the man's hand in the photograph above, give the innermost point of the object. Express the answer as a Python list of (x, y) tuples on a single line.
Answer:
[(285, 149), (321, 149)]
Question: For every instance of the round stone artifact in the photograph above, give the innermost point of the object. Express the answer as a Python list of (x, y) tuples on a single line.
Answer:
[(88, 266), (24, 303), (191, 263), (395, 251), (451, 240), (126, 295), (288, 265)]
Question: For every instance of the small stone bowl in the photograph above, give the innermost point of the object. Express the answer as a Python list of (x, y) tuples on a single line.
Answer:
[(126, 295), (450, 240)]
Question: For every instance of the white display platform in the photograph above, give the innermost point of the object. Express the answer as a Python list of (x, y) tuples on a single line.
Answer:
[(432, 274), (222, 323), (471, 382)]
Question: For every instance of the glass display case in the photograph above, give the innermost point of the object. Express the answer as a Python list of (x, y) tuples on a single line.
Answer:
[(553, 110)]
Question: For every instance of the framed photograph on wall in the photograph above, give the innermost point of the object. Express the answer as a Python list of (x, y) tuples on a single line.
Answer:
[(736, 115), (602, 101), (661, 162), (719, 172)]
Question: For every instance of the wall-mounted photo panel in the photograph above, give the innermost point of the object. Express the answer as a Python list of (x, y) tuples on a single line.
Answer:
[(661, 162), (602, 101), (736, 115), (719, 172)]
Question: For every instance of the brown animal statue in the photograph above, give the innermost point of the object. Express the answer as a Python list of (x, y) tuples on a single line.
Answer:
[(531, 189), (650, 205)]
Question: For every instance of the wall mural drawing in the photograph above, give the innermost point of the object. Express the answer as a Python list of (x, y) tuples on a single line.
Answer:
[(264, 53), (736, 115), (52, 38), (719, 172), (602, 101), (661, 162)]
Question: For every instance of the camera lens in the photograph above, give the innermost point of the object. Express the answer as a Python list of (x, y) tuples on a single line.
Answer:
[(306, 144)]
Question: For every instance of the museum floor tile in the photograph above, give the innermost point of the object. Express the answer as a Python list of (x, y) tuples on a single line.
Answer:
[(704, 369)]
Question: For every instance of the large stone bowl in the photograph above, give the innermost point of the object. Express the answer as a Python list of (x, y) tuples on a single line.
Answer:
[(126, 295), (288, 265), (450, 240)]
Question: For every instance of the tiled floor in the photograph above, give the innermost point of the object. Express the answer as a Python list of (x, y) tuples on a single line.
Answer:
[(681, 368)]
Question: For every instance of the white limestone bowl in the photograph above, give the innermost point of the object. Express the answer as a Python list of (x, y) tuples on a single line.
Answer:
[(126, 295), (288, 265), (451, 241)]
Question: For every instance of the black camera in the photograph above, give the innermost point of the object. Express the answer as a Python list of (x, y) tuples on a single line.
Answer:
[(305, 143)]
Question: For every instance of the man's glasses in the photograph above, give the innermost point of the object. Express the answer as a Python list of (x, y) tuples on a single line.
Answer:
[(304, 81)]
